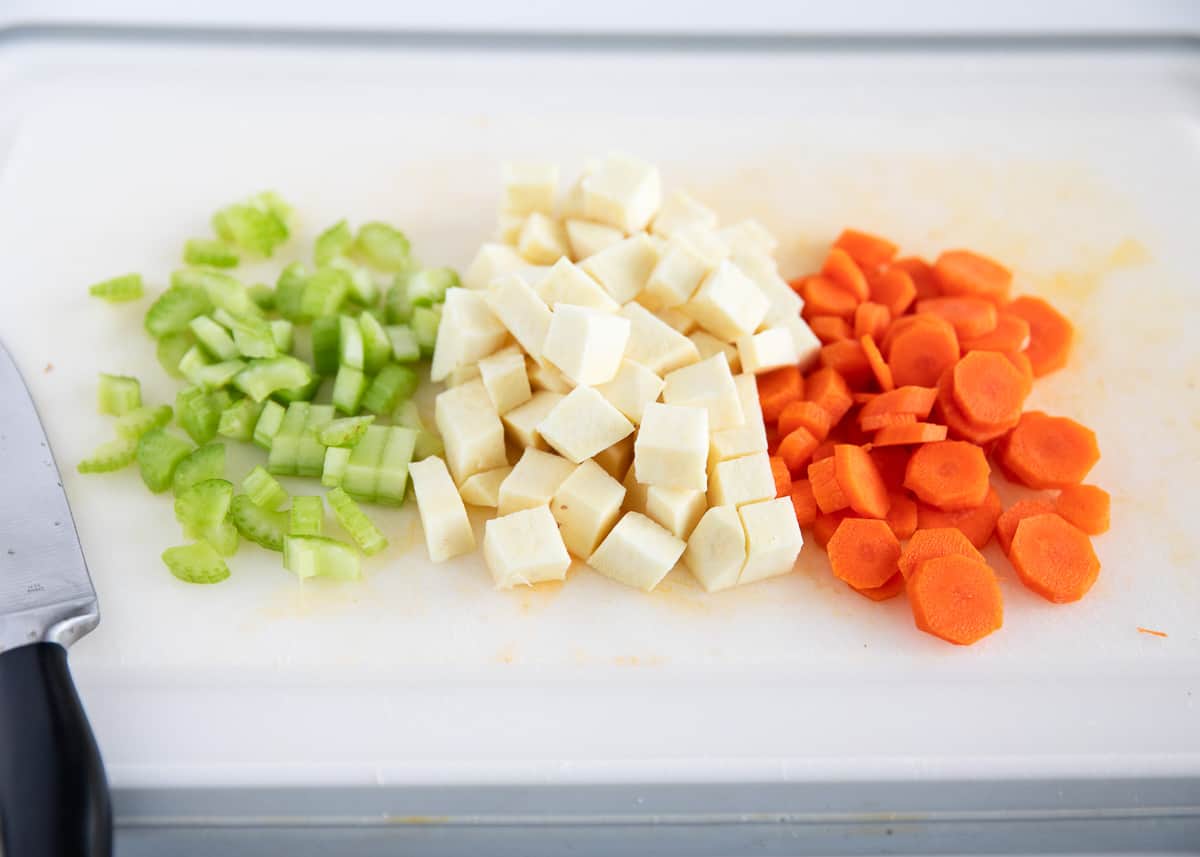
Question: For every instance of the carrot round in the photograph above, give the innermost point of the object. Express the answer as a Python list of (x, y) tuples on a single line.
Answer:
[(879, 366), (1021, 360), (956, 598), (921, 274), (884, 420), (871, 319), (773, 437), (893, 587), (1006, 524), (976, 524), (970, 317), (825, 525), (860, 481), (868, 251), (902, 515), (961, 272), (1054, 558), (863, 552), (891, 461), (796, 449), (917, 401), (922, 352), (989, 389), (829, 390), (1048, 452), (848, 359), (956, 422), (822, 475), (1011, 333), (822, 296), (782, 477), (805, 414), (1086, 506), (900, 435), (1050, 333), (825, 450), (951, 475), (841, 270), (861, 397), (931, 542), (777, 389), (829, 328), (894, 289), (803, 502)]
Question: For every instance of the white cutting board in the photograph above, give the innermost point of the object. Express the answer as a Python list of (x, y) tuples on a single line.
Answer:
[(119, 157)]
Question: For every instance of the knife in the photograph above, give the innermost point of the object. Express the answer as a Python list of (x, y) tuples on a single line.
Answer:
[(53, 793)]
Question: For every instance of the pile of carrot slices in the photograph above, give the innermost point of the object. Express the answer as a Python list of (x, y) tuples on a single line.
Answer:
[(887, 447)]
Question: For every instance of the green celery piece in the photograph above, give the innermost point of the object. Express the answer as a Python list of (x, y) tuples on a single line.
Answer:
[(362, 284), (428, 443), (259, 225), (264, 377), (299, 394), (263, 295), (428, 286), (273, 203), (259, 525), (348, 389), (332, 243), (214, 376), (118, 394), (264, 489), (355, 522), (382, 247), (408, 414), (110, 456), (392, 479), (336, 459), (197, 413), (268, 423), (310, 453), (350, 343), (283, 333), (317, 556), (196, 563), (174, 309), (405, 348), (397, 307), (205, 462), (324, 293), (252, 337), (425, 322), (361, 474), (326, 344), (158, 454), (377, 348), (393, 383), (346, 431), (285, 446), (192, 362), (171, 348), (223, 290), (239, 419), (209, 251), (307, 516), (136, 423), (289, 291), (215, 339), (127, 287), (223, 536), (202, 507)]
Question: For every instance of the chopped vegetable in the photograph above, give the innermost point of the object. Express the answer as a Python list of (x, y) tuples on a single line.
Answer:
[(333, 242), (202, 463), (349, 387), (354, 521), (920, 354), (175, 308), (863, 552), (1086, 506), (136, 423), (977, 524), (203, 506), (961, 272), (171, 349), (393, 384), (264, 490), (1048, 452), (345, 432), (258, 225), (1054, 558), (868, 251), (950, 475), (841, 270), (859, 479), (931, 542), (261, 378), (316, 556), (383, 247), (307, 517), (207, 251), (1050, 333), (196, 563), (956, 598), (127, 287), (118, 394), (261, 526), (268, 424), (239, 419), (1006, 524), (158, 454), (110, 456)]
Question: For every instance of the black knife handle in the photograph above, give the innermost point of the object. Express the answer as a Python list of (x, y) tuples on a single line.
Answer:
[(53, 794)]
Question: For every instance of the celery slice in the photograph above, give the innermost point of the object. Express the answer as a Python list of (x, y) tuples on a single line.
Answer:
[(425, 322), (285, 445), (289, 291), (174, 309), (307, 516), (361, 474), (224, 537), (222, 290), (382, 247), (316, 556), (215, 339), (264, 489), (428, 443), (118, 394), (346, 431), (348, 389), (393, 383), (310, 453), (405, 348), (258, 225), (259, 525), (196, 563), (203, 463), (428, 286), (325, 344), (350, 343), (391, 480), (170, 350), (283, 333), (239, 419), (324, 293), (376, 346), (198, 413), (158, 454), (210, 376), (264, 377), (362, 284), (127, 287), (268, 423), (408, 414), (136, 423), (252, 337), (209, 251), (332, 243), (398, 309), (336, 459), (203, 506), (110, 456), (299, 394), (355, 522), (263, 295)]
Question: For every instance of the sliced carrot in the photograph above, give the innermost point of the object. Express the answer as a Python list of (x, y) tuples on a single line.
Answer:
[(863, 396), (888, 418), (976, 524), (783, 478), (988, 389), (871, 319), (841, 270), (922, 352), (859, 479), (796, 284), (824, 297), (1048, 452), (1006, 524), (970, 317), (909, 434), (825, 525), (796, 450), (773, 438), (868, 251), (893, 587), (1011, 333), (1021, 360), (961, 272), (849, 360), (897, 327), (951, 475), (829, 390), (1087, 507), (1054, 558), (921, 273), (956, 598), (803, 502), (863, 552), (891, 462), (828, 493), (879, 366), (893, 288), (777, 389), (917, 401), (1050, 333), (902, 515), (825, 450), (830, 328), (931, 542), (807, 415), (957, 423)]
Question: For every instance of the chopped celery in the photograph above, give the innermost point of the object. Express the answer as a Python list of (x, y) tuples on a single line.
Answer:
[(355, 522), (316, 556), (192, 362), (223, 290), (268, 423), (376, 346), (289, 291), (310, 453), (393, 383), (136, 423), (285, 445), (215, 339), (171, 348), (307, 516), (382, 246), (348, 390), (283, 333), (259, 525), (110, 456), (158, 454), (428, 286), (336, 459), (198, 413), (239, 419), (360, 477), (263, 295), (209, 251), (346, 431), (405, 348), (324, 293), (299, 394), (332, 243), (252, 337), (118, 394), (425, 321), (350, 343), (196, 563), (205, 462), (261, 487), (397, 307), (428, 443), (325, 344), (175, 308), (211, 376), (362, 284), (127, 287), (392, 478), (258, 225), (203, 506), (224, 537), (264, 377), (408, 414)]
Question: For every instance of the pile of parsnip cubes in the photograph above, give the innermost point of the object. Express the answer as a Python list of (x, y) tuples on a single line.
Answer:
[(600, 362)]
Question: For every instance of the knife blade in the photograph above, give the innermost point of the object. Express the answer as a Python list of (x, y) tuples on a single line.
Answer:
[(46, 593)]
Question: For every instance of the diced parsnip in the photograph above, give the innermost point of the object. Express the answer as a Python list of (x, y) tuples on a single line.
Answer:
[(738, 481), (522, 422), (572, 207), (782, 301), (587, 238), (492, 261), (671, 449), (582, 424), (676, 509), (524, 548), (773, 539), (443, 516), (483, 489), (468, 331), (747, 390), (533, 481), (728, 304), (617, 459), (623, 268), (463, 374), (637, 552), (716, 549), (677, 320), (586, 506), (736, 442), (534, 274), (586, 344), (508, 227), (514, 302), (566, 283), (748, 237), (635, 493), (708, 345), (709, 385), (702, 241), (470, 429), (529, 187), (773, 348), (504, 377), (623, 192), (545, 377), (680, 210), (654, 344), (674, 279), (543, 240), (631, 389), (804, 341)]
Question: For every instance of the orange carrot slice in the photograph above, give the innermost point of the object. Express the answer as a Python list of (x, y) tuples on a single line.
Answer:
[(782, 477), (1048, 452), (921, 274), (989, 389), (848, 359), (863, 552), (879, 367), (868, 251), (976, 524), (825, 525), (1050, 333), (1011, 333), (825, 450), (805, 414), (778, 389), (804, 502), (931, 542), (859, 479), (893, 587), (970, 317), (950, 475), (891, 461), (890, 418), (871, 319), (841, 270), (1054, 558), (957, 423), (796, 450), (956, 598), (1006, 524), (922, 352), (961, 272), (829, 390), (1087, 507), (917, 401), (824, 297), (914, 433), (902, 515), (894, 289), (830, 328), (822, 475)]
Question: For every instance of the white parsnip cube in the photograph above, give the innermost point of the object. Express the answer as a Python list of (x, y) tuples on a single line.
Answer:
[(708, 345), (671, 449), (483, 489), (738, 481), (716, 549), (623, 268), (492, 260), (709, 385), (773, 539), (680, 210), (703, 242), (676, 509), (782, 301), (529, 187), (804, 342), (504, 377), (533, 481), (470, 429), (544, 376), (622, 192), (631, 389), (469, 331), (676, 320), (674, 279), (728, 304), (443, 516), (617, 460), (582, 424), (587, 238), (750, 436), (586, 505), (637, 552), (525, 315), (542, 239), (586, 344), (534, 274), (566, 283), (747, 390), (524, 548), (773, 348), (635, 493), (522, 421), (508, 227), (462, 375), (654, 344), (748, 237)]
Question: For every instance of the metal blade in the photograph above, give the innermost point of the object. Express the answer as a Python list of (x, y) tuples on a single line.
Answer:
[(45, 590)]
